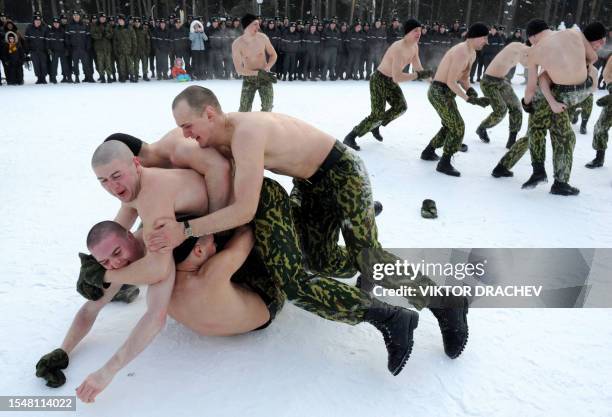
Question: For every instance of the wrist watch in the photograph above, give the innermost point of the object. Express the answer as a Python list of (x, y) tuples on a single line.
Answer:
[(188, 231)]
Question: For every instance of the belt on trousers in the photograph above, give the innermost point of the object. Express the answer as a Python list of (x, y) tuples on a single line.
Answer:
[(332, 157), (588, 83), (492, 78)]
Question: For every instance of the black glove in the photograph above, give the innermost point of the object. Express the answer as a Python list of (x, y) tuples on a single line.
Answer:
[(91, 283), (424, 74), (266, 76), (527, 107), (471, 92), (49, 368), (479, 101), (605, 101)]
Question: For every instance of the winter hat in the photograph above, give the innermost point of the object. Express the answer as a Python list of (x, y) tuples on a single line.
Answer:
[(410, 25), (247, 19), (595, 31), (477, 30), (535, 26)]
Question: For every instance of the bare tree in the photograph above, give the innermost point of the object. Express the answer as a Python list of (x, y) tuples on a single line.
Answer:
[(579, 12), (468, 16)]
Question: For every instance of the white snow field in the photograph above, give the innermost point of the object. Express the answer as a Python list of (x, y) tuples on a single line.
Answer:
[(528, 362)]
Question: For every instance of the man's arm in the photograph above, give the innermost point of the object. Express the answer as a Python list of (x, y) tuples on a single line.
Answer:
[(459, 60), (126, 217), (151, 269), (532, 83), (215, 168), (227, 261), (237, 57), (545, 82), (416, 61), (151, 323), (271, 53)]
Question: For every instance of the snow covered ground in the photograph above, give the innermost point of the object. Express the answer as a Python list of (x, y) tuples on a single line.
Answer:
[(527, 362)]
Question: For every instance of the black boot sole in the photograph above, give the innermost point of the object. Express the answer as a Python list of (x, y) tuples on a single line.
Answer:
[(412, 325), (467, 333)]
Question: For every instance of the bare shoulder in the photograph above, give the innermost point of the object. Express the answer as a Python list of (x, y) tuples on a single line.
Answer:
[(263, 36)]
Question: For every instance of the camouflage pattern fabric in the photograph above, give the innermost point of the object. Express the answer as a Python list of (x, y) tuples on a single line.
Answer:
[(383, 90), (102, 36), (124, 43), (342, 201), (450, 135), (584, 108), (600, 136), (251, 84), (277, 245), (503, 100)]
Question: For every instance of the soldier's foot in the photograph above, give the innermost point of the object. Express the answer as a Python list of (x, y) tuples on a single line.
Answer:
[(445, 167), (378, 208), (482, 134), (583, 127), (159, 78), (76, 80), (65, 80), (376, 134), (146, 78), (397, 326), (538, 176), (575, 117), (511, 140), (349, 140), (429, 154), (451, 313), (501, 171), (563, 188), (102, 80), (53, 80), (598, 161), (463, 148), (89, 80)]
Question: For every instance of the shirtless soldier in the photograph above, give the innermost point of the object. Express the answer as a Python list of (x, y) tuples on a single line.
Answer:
[(384, 86), (565, 57), (454, 69), (331, 193), (249, 53), (498, 89), (600, 135)]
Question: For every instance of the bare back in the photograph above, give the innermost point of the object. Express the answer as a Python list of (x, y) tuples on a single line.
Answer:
[(166, 192), (213, 306), (400, 51), (249, 53), (607, 72), (562, 56), (291, 146), (506, 59), (459, 56)]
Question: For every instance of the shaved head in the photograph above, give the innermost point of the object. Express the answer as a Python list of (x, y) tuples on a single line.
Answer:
[(103, 229), (111, 151)]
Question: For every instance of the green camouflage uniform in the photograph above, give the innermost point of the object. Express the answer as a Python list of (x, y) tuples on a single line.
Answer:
[(143, 48), (585, 108), (251, 84), (383, 90), (341, 200), (277, 245), (600, 136), (124, 44), (503, 100), (450, 135), (102, 36)]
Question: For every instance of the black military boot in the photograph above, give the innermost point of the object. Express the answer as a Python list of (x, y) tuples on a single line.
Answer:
[(126, 294), (451, 313), (397, 326), (563, 188), (159, 77), (463, 148), (501, 171), (583, 125), (483, 135), (65, 80), (378, 208), (598, 161), (349, 140), (102, 79), (76, 79), (133, 79), (53, 80), (538, 176), (376, 134), (575, 117), (146, 78), (511, 140), (429, 154), (110, 79), (445, 167)]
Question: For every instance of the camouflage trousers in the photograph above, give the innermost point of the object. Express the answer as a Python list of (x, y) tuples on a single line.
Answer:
[(104, 63), (503, 100), (600, 137), (251, 84), (450, 135), (277, 245), (126, 65), (144, 60), (340, 200), (383, 90), (584, 108)]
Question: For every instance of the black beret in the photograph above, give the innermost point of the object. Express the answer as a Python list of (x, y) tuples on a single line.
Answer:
[(247, 19), (477, 30), (535, 26)]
